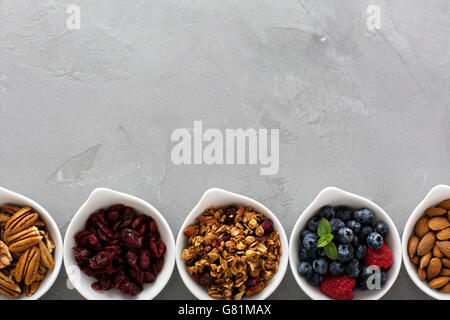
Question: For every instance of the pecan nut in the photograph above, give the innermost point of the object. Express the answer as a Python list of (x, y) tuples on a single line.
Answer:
[(5, 255), (28, 265), (21, 220), (24, 240), (8, 287), (31, 289), (46, 256)]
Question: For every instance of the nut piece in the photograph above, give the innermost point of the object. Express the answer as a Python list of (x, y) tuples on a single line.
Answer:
[(422, 226), (5, 256), (446, 288), (446, 262), (31, 289), (46, 256), (422, 274), (21, 220), (444, 204), (412, 245), (425, 260), (436, 252), (434, 212), (8, 287), (434, 268), (443, 234), (438, 223), (444, 246), (415, 259), (28, 265), (438, 282), (426, 244), (445, 272), (23, 240), (190, 231)]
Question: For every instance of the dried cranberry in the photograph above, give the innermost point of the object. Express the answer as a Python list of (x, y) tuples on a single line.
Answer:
[(132, 259), (105, 282), (96, 286), (81, 235), (223, 239), (103, 227), (104, 258), (138, 221), (152, 226), (91, 242), (230, 214), (261, 238), (144, 260), (129, 287), (116, 207), (131, 238), (267, 226), (82, 256), (149, 277), (112, 216), (252, 283), (205, 279), (161, 248), (118, 278)]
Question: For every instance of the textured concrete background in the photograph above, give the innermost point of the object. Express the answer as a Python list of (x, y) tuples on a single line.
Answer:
[(365, 111)]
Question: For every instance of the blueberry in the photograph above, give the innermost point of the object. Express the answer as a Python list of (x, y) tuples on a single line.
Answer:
[(361, 284), (304, 233), (374, 240), (314, 279), (352, 268), (363, 216), (305, 269), (344, 213), (345, 235), (320, 265), (305, 255), (360, 252), (382, 277), (355, 242), (327, 212), (337, 268), (345, 252), (365, 231), (313, 223), (310, 241), (354, 225), (365, 272), (319, 253), (382, 228), (336, 224)]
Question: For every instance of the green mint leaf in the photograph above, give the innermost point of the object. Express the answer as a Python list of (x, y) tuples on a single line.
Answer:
[(329, 237), (323, 228), (331, 251), (322, 242)]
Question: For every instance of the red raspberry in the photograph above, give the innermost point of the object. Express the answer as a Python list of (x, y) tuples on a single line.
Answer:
[(338, 287), (381, 257)]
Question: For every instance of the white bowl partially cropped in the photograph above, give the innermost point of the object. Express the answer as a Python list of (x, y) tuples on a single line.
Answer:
[(219, 197), (102, 198), (335, 197), (10, 197), (436, 195)]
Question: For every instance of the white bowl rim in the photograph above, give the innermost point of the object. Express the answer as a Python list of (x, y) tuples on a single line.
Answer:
[(56, 235), (198, 291), (309, 211), (407, 231), (153, 289)]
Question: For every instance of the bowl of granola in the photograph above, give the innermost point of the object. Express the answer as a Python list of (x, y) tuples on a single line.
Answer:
[(231, 247)]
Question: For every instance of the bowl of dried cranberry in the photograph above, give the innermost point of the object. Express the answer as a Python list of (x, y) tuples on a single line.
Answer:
[(118, 247), (344, 247), (231, 247)]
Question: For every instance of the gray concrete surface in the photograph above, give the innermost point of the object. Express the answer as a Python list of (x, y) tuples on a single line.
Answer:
[(365, 111)]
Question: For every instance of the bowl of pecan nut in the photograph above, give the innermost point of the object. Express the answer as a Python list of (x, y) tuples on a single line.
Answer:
[(231, 247), (118, 247), (30, 248)]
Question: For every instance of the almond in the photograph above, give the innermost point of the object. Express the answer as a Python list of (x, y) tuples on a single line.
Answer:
[(190, 231), (445, 272), (425, 260), (422, 274), (434, 268), (412, 245), (415, 259), (446, 288), (438, 282), (443, 234), (444, 204), (422, 226), (426, 244), (435, 212), (444, 246), (446, 262), (436, 252), (438, 223)]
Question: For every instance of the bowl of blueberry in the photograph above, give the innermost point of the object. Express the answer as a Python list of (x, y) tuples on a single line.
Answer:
[(344, 247)]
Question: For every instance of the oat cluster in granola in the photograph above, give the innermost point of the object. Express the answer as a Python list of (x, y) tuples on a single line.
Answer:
[(26, 251), (232, 251)]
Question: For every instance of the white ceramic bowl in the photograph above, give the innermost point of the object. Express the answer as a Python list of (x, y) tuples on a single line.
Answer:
[(436, 195), (7, 196), (104, 198), (219, 197), (334, 197)]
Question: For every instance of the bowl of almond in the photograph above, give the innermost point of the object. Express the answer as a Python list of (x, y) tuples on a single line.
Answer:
[(426, 244), (30, 248)]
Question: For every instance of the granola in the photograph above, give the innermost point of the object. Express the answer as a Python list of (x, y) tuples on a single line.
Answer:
[(233, 251)]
